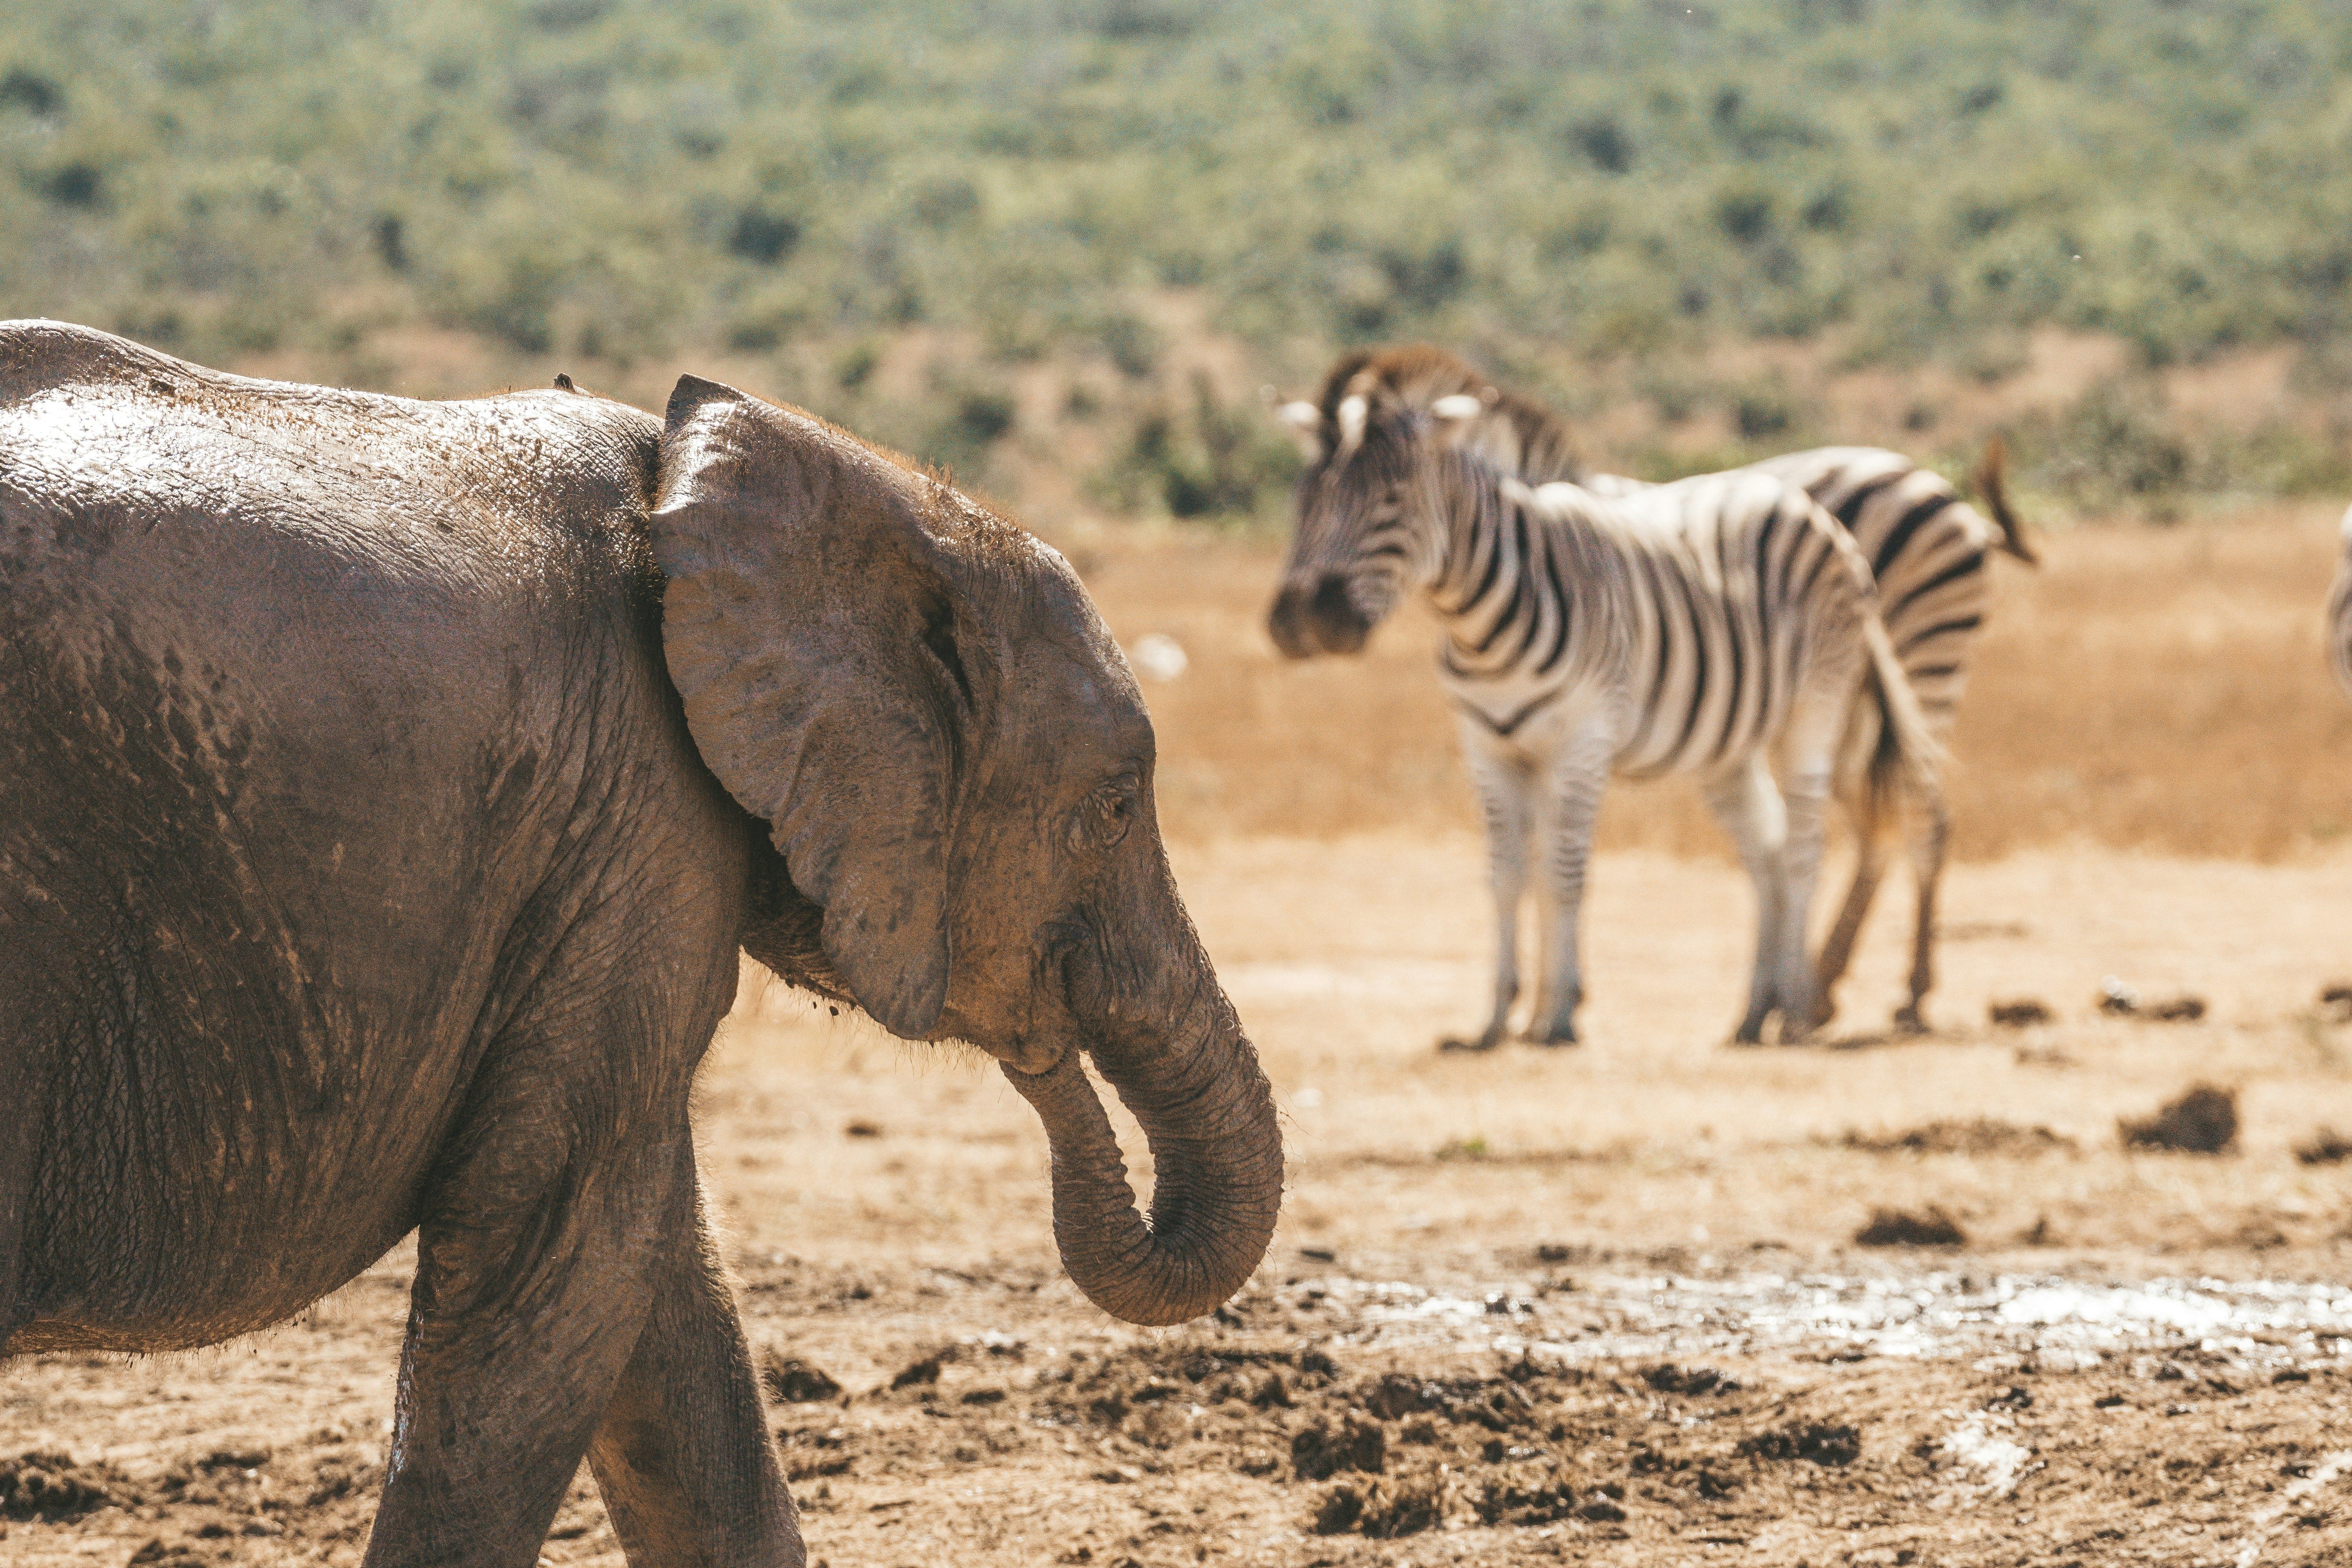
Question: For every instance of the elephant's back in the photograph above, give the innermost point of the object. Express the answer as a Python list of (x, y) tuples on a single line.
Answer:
[(331, 571), (106, 445)]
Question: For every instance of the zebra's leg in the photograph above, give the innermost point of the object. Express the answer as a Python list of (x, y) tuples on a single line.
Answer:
[(1570, 804), (1505, 796), (1805, 796), (1747, 802), (1837, 952), (1931, 831)]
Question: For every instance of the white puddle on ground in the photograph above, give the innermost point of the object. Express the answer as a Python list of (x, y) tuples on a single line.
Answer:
[(1937, 1314)]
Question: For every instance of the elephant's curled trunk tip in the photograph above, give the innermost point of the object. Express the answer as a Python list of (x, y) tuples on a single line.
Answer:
[(1217, 1145)]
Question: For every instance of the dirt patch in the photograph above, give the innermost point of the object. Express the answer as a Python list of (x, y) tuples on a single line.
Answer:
[(792, 1381), (52, 1487), (2202, 1121), (2019, 1013), (1978, 1135), (2324, 1147), (1816, 1442), (1911, 1228)]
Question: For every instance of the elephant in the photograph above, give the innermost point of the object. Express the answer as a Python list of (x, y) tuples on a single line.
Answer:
[(387, 789)]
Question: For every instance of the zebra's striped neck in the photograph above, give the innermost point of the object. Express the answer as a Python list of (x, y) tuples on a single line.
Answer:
[(1520, 590)]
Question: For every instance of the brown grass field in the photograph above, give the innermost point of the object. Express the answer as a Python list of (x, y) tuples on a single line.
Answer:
[(1602, 1305)]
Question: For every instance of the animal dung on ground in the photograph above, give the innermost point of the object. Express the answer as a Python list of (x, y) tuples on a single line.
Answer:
[(1319, 1451), (2202, 1121), (2019, 1013), (2118, 1000), (792, 1381), (863, 1129), (1930, 1227), (922, 1373), (2324, 1147), (1668, 1378), (1383, 1509), (2336, 1002)]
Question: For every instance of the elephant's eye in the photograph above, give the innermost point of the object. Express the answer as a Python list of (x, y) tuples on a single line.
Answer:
[(1109, 812)]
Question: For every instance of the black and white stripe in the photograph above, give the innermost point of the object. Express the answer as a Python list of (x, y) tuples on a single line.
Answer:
[(1706, 627)]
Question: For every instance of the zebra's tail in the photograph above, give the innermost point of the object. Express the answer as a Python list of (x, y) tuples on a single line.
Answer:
[(1987, 483), (1907, 756)]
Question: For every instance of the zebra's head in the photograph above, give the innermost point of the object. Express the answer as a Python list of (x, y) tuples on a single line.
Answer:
[(1382, 442)]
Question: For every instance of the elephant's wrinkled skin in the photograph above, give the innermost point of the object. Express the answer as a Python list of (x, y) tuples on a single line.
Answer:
[(376, 845)]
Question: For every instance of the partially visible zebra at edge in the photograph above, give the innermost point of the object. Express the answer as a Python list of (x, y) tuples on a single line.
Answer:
[(1706, 627), (2340, 609), (1926, 548)]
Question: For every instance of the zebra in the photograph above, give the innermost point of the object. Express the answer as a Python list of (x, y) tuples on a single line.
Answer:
[(1701, 627), (2339, 610), (1927, 550)]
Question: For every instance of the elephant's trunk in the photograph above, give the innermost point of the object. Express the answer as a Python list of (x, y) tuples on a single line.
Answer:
[(1208, 1113)]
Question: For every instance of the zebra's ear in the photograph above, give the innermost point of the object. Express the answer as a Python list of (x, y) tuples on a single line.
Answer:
[(1305, 423)]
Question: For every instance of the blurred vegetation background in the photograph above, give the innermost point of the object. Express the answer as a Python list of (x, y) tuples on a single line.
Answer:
[(1059, 245)]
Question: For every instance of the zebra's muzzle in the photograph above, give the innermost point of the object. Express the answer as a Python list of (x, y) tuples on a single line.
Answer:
[(1325, 620)]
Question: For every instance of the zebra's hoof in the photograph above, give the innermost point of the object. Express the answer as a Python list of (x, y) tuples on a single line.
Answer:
[(1554, 1039), (1908, 1021)]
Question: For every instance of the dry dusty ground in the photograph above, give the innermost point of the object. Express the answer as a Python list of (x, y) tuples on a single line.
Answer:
[(1597, 1305)]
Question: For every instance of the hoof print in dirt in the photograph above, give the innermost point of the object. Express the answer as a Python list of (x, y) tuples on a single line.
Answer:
[(2202, 1121), (1819, 1442), (1317, 1453), (792, 1381), (2324, 1147), (1930, 1226), (1383, 1509), (2019, 1013)]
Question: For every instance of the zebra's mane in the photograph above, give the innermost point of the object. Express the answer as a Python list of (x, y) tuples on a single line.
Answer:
[(1530, 441)]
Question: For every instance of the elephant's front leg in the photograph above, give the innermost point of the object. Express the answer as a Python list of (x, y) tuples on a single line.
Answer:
[(683, 1458), (537, 1262), (1570, 806), (1506, 797)]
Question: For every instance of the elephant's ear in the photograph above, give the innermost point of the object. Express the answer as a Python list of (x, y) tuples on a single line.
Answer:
[(804, 623)]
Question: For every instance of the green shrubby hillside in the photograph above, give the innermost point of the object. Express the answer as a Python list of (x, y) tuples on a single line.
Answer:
[(1620, 183)]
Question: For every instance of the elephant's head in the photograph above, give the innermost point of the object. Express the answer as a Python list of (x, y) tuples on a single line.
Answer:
[(920, 700)]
